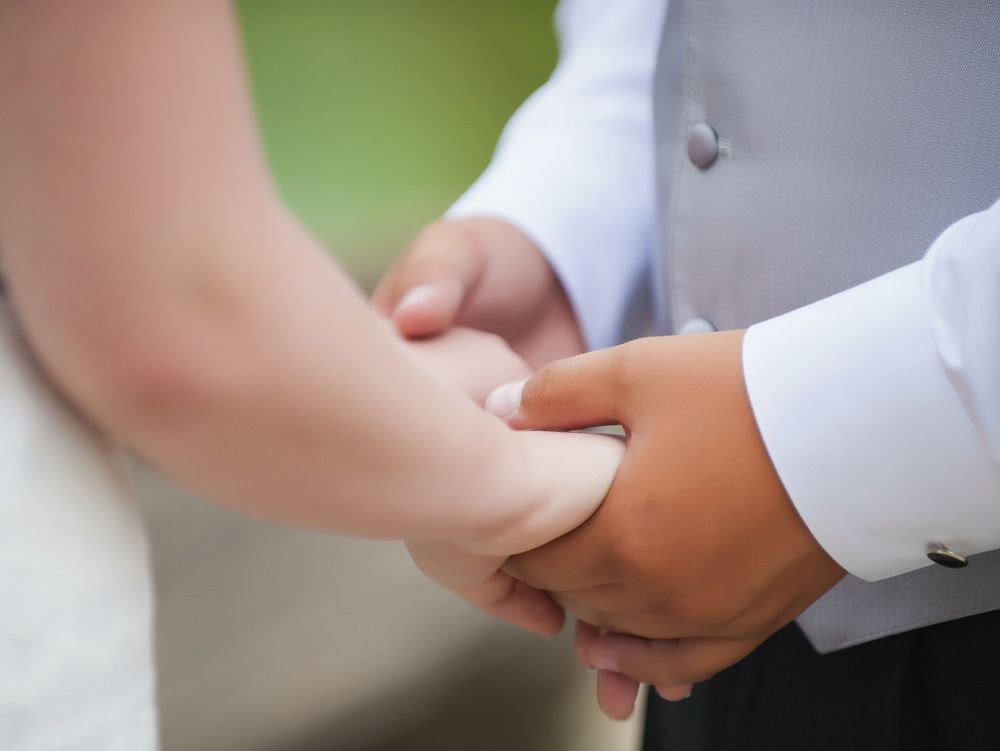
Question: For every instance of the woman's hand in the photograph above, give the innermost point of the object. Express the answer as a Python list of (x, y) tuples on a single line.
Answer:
[(476, 362), (567, 476), (472, 361), (477, 579)]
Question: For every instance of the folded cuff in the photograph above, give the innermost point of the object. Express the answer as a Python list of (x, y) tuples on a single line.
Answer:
[(867, 432)]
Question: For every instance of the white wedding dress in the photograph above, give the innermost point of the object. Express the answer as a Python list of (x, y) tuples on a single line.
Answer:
[(75, 607)]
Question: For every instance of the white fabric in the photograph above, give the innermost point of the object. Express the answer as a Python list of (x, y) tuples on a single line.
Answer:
[(880, 406), (869, 436), (574, 167), (75, 631)]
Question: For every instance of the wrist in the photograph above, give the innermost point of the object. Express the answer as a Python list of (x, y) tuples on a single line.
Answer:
[(794, 543), (549, 484)]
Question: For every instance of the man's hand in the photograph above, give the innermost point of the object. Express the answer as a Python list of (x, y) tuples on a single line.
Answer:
[(697, 546), (485, 274), (476, 362)]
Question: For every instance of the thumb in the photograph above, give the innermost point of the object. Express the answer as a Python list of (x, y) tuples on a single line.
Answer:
[(424, 291), (429, 307), (578, 392)]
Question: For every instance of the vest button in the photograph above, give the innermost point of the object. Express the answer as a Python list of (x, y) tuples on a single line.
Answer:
[(703, 146), (697, 326)]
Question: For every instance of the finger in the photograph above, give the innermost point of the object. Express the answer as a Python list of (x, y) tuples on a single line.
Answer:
[(440, 251), (585, 634), (616, 694), (678, 692), (424, 292), (429, 308), (590, 606), (667, 662), (591, 617), (513, 601), (476, 579), (578, 392)]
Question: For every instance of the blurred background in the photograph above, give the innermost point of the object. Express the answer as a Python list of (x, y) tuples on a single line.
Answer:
[(376, 114)]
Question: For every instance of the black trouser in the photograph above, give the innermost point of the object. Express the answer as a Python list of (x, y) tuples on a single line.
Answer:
[(936, 688)]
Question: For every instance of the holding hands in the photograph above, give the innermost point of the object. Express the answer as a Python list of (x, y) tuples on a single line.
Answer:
[(484, 274), (697, 554), (697, 547), (555, 483)]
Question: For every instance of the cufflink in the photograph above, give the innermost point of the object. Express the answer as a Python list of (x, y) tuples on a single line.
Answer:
[(942, 556)]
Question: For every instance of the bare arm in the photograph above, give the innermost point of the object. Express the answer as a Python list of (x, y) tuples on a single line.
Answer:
[(171, 297)]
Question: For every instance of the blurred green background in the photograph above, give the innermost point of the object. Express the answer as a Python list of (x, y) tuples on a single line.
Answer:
[(376, 114)]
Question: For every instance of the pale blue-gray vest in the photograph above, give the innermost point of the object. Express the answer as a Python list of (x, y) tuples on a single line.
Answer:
[(806, 147)]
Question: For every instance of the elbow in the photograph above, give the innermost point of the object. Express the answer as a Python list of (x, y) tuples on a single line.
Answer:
[(161, 386), (142, 341), (139, 391)]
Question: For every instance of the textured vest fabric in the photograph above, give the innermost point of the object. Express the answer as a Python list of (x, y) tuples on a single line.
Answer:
[(850, 135)]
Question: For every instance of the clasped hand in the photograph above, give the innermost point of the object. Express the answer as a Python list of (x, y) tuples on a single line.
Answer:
[(551, 485), (697, 553), (697, 547)]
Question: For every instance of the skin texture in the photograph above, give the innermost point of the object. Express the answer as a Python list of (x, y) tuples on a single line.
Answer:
[(650, 575), (697, 549), (471, 361), (171, 298), (485, 274)]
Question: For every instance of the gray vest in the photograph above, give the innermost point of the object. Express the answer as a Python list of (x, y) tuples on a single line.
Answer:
[(805, 147)]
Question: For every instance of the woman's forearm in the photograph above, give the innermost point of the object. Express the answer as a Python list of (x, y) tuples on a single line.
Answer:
[(169, 295)]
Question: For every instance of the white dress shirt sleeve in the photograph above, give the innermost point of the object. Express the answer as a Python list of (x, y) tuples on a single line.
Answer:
[(574, 166), (880, 406)]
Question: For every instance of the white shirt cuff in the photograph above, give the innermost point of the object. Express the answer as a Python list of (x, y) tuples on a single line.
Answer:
[(867, 432), (528, 188)]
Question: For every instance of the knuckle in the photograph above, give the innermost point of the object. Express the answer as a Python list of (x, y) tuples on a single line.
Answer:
[(626, 366), (539, 392), (433, 250)]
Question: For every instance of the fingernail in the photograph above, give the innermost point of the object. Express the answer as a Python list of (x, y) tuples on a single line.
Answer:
[(505, 400), (419, 295), (604, 661)]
